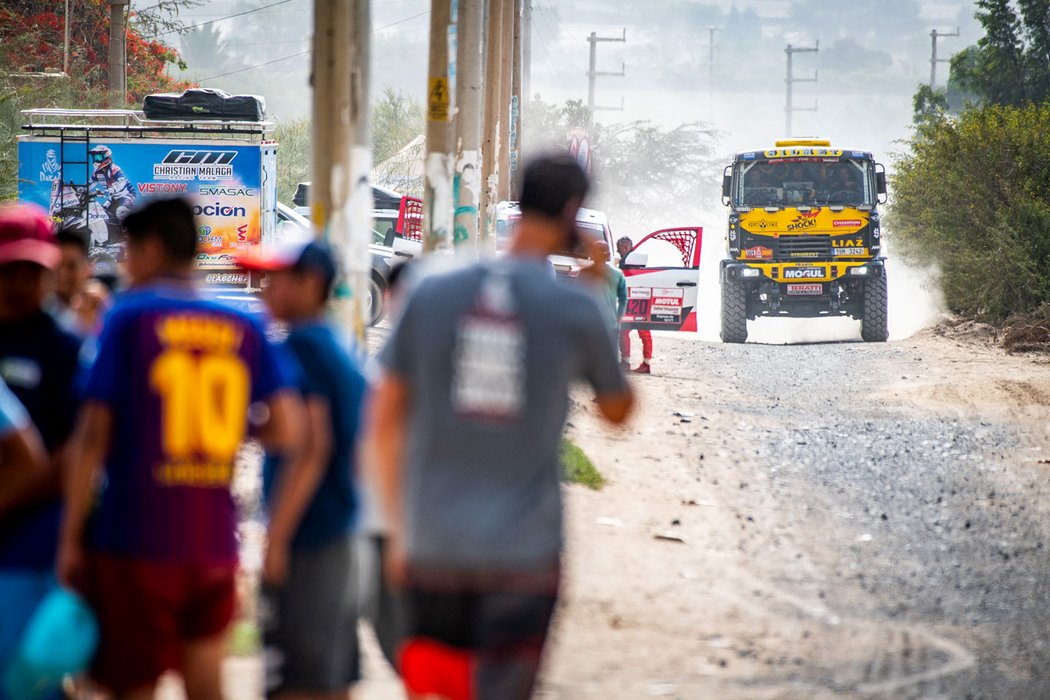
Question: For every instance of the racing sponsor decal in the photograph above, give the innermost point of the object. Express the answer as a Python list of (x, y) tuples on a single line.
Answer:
[(162, 187), (639, 303), (195, 165), (851, 223), (667, 306), (808, 290), (805, 220), (803, 273), (758, 253), (226, 278), (804, 153), (760, 224)]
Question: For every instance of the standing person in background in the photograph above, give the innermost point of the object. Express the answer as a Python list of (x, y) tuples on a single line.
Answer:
[(608, 283), (310, 606), (79, 301), (467, 420), (624, 246), (39, 364), (165, 412)]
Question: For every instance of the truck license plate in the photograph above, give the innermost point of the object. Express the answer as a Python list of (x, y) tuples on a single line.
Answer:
[(807, 290)]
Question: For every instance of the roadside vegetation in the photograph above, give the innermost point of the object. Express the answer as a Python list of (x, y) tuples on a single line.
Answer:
[(972, 194), (577, 467)]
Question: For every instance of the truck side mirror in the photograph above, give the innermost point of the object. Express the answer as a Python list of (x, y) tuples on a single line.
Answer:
[(880, 182), (727, 186)]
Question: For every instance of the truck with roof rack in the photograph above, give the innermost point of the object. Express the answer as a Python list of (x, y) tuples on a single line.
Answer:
[(87, 168), (804, 237)]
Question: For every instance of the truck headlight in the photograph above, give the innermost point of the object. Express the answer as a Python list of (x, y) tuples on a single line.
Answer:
[(750, 272), (859, 271)]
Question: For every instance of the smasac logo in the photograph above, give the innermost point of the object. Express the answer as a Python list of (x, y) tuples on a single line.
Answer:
[(803, 273)]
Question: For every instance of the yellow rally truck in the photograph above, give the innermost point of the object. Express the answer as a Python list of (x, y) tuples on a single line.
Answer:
[(804, 239)]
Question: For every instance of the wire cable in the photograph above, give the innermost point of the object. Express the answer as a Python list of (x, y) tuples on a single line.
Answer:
[(218, 19)]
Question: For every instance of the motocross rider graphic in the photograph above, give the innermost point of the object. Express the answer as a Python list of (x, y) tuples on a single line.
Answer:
[(112, 192)]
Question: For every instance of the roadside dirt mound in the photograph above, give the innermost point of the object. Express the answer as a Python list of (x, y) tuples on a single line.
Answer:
[(1028, 332)]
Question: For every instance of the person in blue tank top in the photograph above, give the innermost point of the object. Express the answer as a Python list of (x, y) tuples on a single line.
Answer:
[(310, 601)]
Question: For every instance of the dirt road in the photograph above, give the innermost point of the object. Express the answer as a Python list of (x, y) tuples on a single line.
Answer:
[(855, 521)]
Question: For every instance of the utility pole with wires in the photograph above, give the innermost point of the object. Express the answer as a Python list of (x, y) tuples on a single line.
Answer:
[(117, 52), (593, 73), (506, 92), (467, 181), (340, 196), (790, 108), (711, 71), (934, 36), (437, 168), (490, 140)]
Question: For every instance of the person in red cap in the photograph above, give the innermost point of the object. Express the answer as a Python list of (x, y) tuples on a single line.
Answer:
[(309, 606), (39, 363)]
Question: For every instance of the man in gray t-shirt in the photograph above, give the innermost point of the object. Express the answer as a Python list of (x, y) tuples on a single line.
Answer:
[(468, 421)]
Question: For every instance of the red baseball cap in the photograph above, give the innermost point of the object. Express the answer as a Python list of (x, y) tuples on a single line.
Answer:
[(26, 236)]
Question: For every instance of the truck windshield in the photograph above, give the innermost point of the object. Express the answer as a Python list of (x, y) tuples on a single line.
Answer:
[(785, 182)]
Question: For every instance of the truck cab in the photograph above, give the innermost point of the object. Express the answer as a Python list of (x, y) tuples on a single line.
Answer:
[(803, 238)]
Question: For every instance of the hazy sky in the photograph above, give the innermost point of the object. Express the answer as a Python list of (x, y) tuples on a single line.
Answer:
[(873, 55)]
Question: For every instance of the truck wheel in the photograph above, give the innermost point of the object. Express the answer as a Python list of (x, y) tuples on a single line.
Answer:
[(376, 289), (734, 312), (874, 326)]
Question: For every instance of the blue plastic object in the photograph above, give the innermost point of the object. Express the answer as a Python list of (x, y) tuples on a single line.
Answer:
[(59, 640)]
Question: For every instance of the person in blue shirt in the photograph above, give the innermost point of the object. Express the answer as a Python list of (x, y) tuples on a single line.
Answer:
[(310, 599)]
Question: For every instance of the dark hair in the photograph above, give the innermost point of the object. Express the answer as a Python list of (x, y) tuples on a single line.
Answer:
[(549, 182), (171, 221), (69, 236)]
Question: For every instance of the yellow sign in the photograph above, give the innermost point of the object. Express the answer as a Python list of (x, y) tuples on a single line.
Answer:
[(438, 100)]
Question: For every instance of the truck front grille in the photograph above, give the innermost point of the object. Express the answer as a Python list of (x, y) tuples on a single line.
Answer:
[(799, 247)]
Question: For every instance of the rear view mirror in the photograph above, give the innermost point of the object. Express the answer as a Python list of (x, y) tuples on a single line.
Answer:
[(880, 182), (727, 184), (636, 259)]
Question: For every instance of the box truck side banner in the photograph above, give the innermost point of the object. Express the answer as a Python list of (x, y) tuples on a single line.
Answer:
[(222, 181)]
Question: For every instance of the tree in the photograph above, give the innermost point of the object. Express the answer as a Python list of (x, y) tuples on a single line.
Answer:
[(1010, 65), (396, 119)]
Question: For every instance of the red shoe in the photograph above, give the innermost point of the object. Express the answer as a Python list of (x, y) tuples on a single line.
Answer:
[(642, 369)]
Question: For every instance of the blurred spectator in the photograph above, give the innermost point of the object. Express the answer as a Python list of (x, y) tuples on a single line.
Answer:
[(624, 246), (80, 300), (467, 424), (310, 595), (164, 414), (38, 363), (608, 283)]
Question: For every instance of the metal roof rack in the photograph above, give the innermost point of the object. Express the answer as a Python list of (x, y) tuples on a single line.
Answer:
[(130, 122)]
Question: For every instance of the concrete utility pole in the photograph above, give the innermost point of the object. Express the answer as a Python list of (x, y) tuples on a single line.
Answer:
[(790, 109), (593, 73), (437, 194), (340, 193), (490, 144), (934, 36), (514, 138), (711, 71), (506, 91), (526, 53), (117, 53), (467, 182)]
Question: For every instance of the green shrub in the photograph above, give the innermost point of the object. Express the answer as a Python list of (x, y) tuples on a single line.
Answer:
[(577, 468), (973, 196)]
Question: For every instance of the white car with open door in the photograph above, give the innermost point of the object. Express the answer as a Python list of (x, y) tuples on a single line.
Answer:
[(663, 271)]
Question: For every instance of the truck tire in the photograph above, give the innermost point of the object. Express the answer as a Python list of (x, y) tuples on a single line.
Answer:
[(734, 312), (376, 291), (874, 326)]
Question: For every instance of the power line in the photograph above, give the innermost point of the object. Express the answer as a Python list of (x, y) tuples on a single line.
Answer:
[(303, 53), (550, 60), (554, 35), (219, 19)]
